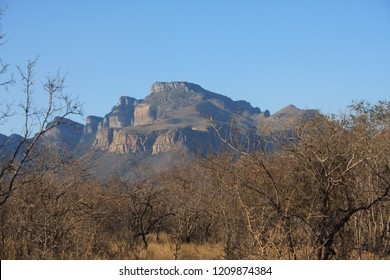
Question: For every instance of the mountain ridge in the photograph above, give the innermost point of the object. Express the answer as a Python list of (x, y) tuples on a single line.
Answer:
[(175, 117)]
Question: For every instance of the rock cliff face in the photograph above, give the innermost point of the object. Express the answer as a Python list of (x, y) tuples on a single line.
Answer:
[(169, 141), (131, 142), (122, 115), (92, 124), (104, 137), (144, 114)]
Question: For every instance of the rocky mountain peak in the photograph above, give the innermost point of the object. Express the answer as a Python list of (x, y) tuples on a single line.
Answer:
[(121, 115), (63, 133), (64, 122), (176, 86), (125, 101)]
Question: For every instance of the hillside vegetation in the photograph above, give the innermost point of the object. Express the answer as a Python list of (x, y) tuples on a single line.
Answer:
[(322, 192)]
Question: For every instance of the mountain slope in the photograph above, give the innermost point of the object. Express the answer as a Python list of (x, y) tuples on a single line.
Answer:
[(175, 119), (173, 116)]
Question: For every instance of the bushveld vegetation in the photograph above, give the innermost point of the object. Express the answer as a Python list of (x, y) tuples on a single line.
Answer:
[(321, 192)]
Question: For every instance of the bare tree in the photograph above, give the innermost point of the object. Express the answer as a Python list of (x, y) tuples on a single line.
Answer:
[(36, 120), (311, 197), (5, 79), (50, 217), (343, 167), (190, 200)]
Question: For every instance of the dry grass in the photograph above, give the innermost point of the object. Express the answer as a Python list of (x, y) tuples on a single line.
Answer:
[(163, 249), (158, 251)]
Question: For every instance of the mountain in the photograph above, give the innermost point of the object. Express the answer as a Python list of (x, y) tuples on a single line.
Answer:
[(173, 116), (66, 135), (176, 118), (282, 119), (8, 144)]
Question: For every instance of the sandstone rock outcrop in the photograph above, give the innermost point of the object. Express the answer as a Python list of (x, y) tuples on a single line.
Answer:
[(169, 141), (92, 124), (127, 142), (144, 114), (180, 86), (121, 115), (104, 137)]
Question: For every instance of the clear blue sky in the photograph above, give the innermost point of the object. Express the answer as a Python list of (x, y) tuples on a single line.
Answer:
[(313, 54)]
